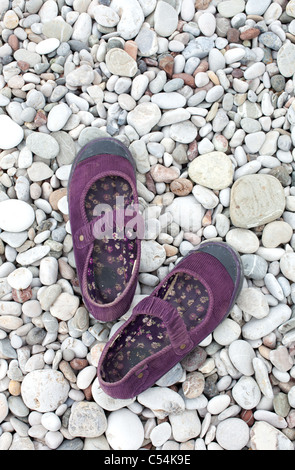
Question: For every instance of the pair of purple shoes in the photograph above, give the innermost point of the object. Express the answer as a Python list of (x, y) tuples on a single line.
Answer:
[(182, 310)]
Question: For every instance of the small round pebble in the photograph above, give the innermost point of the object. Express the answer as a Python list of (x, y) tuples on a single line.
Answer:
[(125, 430), (23, 215), (20, 278), (232, 434)]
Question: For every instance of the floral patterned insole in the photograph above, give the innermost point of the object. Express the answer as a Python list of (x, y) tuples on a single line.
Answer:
[(112, 260), (147, 334)]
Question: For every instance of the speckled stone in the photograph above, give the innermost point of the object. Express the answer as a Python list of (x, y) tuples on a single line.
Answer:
[(281, 404), (194, 359), (286, 59), (270, 40), (256, 200), (232, 434), (213, 170), (44, 390), (144, 117), (253, 302), (278, 82), (87, 419), (194, 384), (246, 393)]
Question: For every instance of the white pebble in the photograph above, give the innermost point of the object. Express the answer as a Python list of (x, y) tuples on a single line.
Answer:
[(125, 430), (51, 421), (20, 278), (232, 434), (48, 270), (23, 215), (218, 404), (53, 439), (246, 393), (85, 377), (227, 332), (47, 46), (160, 434)]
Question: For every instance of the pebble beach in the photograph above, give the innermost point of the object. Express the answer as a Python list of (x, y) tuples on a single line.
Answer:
[(202, 92)]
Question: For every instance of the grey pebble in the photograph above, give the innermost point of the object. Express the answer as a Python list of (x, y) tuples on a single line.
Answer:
[(271, 40), (255, 267)]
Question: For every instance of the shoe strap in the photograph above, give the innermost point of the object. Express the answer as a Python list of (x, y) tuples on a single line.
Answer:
[(176, 328), (109, 225)]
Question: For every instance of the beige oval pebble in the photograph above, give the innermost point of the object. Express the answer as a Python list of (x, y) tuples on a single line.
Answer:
[(170, 250), (193, 385), (243, 240), (276, 233), (65, 306), (9, 322), (252, 301), (181, 186), (14, 388), (213, 170), (230, 8), (120, 63), (10, 20), (256, 200), (227, 332)]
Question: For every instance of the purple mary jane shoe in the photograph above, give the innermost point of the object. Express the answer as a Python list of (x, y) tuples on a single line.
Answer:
[(164, 327), (106, 227)]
